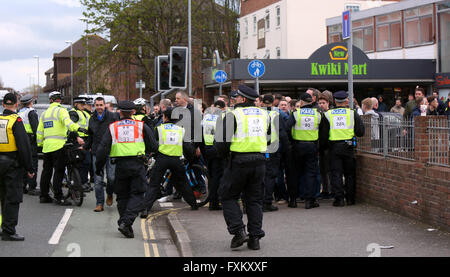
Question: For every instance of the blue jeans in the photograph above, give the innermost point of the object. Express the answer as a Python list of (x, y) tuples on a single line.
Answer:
[(100, 184)]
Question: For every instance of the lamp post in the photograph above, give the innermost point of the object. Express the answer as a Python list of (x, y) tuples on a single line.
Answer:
[(87, 54), (71, 70), (38, 88), (190, 45)]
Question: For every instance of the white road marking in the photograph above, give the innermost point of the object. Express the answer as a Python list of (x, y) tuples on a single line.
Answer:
[(60, 229), (166, 205)]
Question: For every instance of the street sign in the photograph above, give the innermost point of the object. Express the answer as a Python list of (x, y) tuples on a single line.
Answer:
[(346, 25), (221, 76), (138, 85), (256, 69)]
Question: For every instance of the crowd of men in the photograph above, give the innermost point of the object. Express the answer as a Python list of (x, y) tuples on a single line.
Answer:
[(263, 150)]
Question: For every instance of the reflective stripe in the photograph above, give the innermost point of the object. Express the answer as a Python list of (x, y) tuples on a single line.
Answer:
[(55, 137)]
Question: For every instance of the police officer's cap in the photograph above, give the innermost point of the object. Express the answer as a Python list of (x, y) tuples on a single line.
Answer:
[(26, 99), (247, 92), (234, 94), (126, 106), (81, 100), (305, 97), (341, 96), (10, 99), (268, 99)]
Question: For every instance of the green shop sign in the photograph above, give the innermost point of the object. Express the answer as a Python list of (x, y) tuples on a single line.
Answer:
[(337, 66)]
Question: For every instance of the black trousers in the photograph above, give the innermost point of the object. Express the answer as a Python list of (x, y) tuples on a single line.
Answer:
[(11, 193), (129, 186), (306, 163), (246, 178), (343, 165), (32, 182), (325, 170), (56, 161), (216, 167), (84, 167), (271, 176), (178, 179)]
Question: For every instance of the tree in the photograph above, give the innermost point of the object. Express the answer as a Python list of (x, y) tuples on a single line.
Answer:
[(1, 82), (154, 26)]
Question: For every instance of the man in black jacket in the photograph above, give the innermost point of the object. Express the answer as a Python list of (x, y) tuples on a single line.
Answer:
[(98, 126)]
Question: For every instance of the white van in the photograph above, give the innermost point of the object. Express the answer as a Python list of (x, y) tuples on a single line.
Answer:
[(108, 98)]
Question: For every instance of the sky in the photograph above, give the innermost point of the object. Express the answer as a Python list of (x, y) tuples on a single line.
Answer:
[(31, 28)]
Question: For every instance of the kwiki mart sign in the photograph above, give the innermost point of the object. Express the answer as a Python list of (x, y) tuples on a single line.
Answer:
[(337, 64)]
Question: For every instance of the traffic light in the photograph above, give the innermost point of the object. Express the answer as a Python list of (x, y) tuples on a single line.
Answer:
[(163, 73), (178, 67)]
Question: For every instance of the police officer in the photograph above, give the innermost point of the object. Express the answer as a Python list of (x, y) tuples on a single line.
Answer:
[(15, 156), (126, 142), (305, 124), (80, 116), (172, 146), (30, 121), (141, 112), (51, 136), (338, 132), (216, 165), (246, 169)]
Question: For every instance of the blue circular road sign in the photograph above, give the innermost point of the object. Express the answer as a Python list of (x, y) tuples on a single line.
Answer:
[(256, 68), (221, 77)]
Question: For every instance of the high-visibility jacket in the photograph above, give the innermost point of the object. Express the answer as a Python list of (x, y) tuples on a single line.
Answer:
[(127, 138), (209, 127), (52, 130), (83, 121), (251, 130), (7, 140), (171, 139), (342, 123), (23, 113), (139, 117), (306, 126)]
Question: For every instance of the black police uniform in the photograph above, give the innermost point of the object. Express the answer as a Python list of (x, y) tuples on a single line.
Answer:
[(244, 175), (130, 175), (33, 118), (306, 162), (342, 158), (12, 165), (178, 176)]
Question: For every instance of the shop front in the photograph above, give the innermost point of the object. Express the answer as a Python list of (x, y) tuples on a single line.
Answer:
[(327, 69)]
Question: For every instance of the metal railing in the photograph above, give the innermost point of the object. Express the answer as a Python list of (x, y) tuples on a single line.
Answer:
[(439, 138), (388, 136)]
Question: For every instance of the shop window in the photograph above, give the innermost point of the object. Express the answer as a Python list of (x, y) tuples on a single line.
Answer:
[(419, 26), (335, 33), (363, 34), (389, 32), (444, 40)]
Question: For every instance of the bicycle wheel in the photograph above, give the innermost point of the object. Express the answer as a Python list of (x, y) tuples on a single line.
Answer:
[(200, 179), (75, 191)]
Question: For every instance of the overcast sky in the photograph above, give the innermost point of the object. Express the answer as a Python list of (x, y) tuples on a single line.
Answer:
[(35, 27)]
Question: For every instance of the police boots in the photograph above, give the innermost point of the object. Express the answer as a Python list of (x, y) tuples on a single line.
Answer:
[(253, 243), (239, 239), (311, 203)]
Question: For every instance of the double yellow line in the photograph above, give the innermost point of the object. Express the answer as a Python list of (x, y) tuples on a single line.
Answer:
[(146, 224)]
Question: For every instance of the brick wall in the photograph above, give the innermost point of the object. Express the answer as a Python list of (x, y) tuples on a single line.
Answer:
[(394, 184), (250, 6)]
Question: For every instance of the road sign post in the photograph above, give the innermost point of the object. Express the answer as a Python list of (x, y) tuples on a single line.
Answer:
[(220, 77), (347, 34), (256, 69)]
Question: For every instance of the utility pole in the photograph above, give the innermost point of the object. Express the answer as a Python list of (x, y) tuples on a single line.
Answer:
[(190, 45), (38, 88)]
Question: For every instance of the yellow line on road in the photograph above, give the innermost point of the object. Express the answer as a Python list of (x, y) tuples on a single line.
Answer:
[(144, 235)]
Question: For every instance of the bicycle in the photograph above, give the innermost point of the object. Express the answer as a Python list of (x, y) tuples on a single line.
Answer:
[(196, 175), (72, 188)]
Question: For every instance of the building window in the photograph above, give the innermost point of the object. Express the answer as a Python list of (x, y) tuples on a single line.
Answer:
[(335, 33), (419, 26), (353, 7), (267, 20), (363, 34), (389, 31), (278, 16), (444, 39), (246, 26), (278, 53), (255, 25), (267, 55)]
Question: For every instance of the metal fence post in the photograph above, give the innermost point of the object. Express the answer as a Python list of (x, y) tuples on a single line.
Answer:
[(385, 138)]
